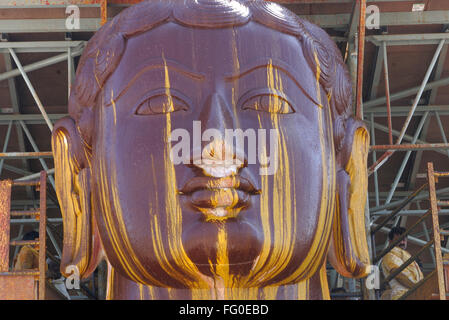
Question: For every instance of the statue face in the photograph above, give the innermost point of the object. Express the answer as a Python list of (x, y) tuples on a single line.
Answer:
[(175, 225)]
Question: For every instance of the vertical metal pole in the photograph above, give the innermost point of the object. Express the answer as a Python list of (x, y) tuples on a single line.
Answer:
[(360, 59), (5, 207), (5, 146), (104, 11), (376, 180), (69, 71), (42, 233), (31, 88), (387, 92), (436, 230)]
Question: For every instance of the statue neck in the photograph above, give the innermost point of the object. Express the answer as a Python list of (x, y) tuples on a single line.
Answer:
[(315, 288)]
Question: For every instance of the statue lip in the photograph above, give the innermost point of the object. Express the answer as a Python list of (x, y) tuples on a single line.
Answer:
[(219, 198), (212, 183)]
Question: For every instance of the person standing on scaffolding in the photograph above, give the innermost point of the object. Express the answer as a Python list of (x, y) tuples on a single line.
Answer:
[(408, 277)]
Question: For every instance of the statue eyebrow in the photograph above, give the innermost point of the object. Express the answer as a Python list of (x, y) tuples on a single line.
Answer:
[(275, 64), (159, 63)]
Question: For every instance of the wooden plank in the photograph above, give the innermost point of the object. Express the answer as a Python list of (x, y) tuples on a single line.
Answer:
[(425, 289), (5, 206), (436, 231), (17, 287), (42, 233)]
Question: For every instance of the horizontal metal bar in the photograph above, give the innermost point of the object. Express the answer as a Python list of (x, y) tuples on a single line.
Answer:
[(324, 21), (47, 25), (25, 213), (402, 111), (406, 137), (442, 212), (34, 176), (25, 183), (46, 6), (26, 155), (30, 118), (23, 242), (408, 39), (440, 174), (25, 221), (39, 64), (48, 3), (410, 147), (386, 18), (58, 3), (20, 273), (40, 46)]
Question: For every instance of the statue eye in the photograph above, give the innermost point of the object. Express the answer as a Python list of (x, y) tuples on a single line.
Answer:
[(268, 103), (161, 104)]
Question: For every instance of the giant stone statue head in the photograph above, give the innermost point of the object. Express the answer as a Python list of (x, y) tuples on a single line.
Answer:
[(165, 80)]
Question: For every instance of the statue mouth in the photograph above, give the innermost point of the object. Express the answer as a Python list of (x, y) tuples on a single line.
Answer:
[(219, 198)]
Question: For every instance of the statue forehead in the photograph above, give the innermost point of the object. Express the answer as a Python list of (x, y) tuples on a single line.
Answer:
[(202, 52)]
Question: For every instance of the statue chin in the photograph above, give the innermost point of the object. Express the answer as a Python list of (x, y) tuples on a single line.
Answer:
[(237, 246)]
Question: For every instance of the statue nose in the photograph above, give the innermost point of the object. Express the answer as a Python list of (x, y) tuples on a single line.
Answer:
[(216, 114), (218, 156)]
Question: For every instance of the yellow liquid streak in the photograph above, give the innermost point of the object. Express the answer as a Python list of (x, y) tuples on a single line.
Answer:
[(282, 209), (114, 109), (273, 260), (113, 234), (173, 209), (317, 250), (235, 58)]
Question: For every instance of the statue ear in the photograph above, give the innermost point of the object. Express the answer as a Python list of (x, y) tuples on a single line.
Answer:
[(81, 245), (348, 252)]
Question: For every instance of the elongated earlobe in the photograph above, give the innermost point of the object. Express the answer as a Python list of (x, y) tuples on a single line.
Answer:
[(81, 245), (348, 251)]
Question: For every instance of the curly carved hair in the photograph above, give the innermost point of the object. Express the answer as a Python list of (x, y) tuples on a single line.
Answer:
[(104, 50)]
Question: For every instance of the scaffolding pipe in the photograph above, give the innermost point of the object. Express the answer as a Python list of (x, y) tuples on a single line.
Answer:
[(36, 149), (387, 93), (388, 154), (405, 93), (398, 209), (443, 134), (360, 59), (406, 157), (5, 146), (34, 175), (424, 195), (31, 88), (411, 147), (406, 137), (38, 65), (421, 90)]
